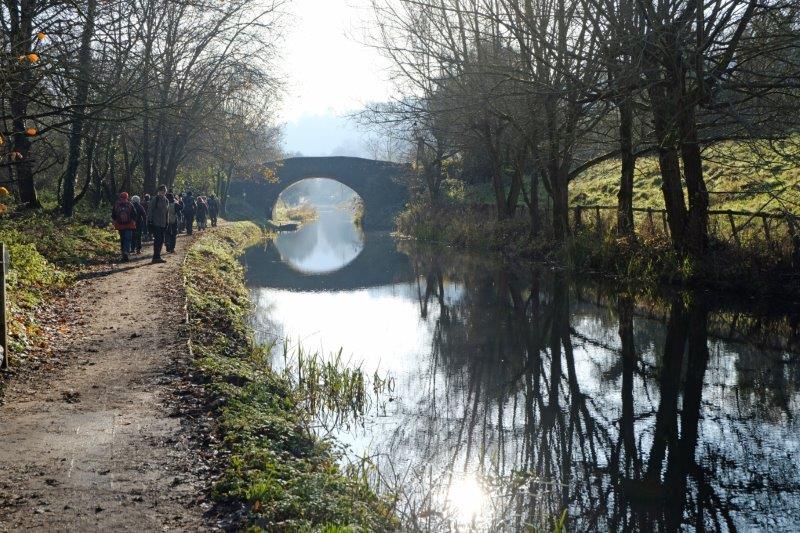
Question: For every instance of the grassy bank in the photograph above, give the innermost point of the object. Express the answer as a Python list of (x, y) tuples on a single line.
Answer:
[(739, 176), (47, 253), (299, 213), (755, 268), (286, 478)]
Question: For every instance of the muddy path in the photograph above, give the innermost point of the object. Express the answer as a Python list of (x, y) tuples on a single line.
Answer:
[(97, 442)]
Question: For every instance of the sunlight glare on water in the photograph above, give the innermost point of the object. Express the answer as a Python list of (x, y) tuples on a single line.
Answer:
[(467, 500)]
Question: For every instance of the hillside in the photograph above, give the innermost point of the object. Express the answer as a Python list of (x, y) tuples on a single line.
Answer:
[(738, 176)]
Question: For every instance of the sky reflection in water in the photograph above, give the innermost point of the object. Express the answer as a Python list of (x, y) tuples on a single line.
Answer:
[(328, 244), (656, 419)]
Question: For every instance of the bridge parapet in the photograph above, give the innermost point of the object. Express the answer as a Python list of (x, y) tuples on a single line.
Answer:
[(377, 182)]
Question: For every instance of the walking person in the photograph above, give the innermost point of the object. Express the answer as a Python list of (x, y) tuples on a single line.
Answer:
[(171, 235), (189, 207), (123, 214), (202, 212), (213, 210), (179, 213), (140, 217), (157, 219), (146, 230)]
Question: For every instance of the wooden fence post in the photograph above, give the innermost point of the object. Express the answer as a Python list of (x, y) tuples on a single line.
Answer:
[(795, 234), (3, 319), (734, 230), (598, 220), (578, 221), (765, 223), (650, 220)]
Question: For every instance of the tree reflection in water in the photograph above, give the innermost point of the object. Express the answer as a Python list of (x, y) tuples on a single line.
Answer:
[(536, 405)]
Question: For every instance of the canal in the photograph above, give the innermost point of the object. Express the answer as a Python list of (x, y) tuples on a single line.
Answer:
[(501, 398)]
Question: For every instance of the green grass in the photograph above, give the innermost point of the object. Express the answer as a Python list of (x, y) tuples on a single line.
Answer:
[(47, 253), (288, 479), (739, 176), (300, 213)]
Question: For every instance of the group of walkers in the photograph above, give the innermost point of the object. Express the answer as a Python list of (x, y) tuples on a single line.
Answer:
[(160, 217)]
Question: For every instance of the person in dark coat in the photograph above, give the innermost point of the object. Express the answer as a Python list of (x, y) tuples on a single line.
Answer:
[(213, 210), (141, 222), (202, 212), (171, 235), (189, 208), (146, 230), (157, 221)]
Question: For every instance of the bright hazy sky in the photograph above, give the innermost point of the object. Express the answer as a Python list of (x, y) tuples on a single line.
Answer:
[(330, 72)]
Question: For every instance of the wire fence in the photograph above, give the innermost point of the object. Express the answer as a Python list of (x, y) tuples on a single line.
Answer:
[(779, 232)]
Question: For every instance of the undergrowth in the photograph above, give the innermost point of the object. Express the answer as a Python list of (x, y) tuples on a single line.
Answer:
[(755, 267), (288, 479), (47, 252)]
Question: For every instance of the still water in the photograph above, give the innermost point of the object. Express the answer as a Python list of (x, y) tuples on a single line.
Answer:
[(518, 394)]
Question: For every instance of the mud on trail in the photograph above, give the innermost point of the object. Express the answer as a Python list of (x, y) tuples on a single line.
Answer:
[(97, 442)]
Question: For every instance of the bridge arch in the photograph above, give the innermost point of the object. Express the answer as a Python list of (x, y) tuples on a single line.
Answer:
[(375, 181)]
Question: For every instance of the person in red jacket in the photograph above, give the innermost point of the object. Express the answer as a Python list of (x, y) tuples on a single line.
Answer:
[(124, 216)]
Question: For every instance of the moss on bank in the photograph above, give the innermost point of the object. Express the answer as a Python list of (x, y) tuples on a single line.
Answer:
[(288, 479), (47, 253)]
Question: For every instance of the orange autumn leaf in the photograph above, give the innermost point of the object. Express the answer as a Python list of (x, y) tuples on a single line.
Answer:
[(30, 132), (33, 58), (41, 36), (3, 191)]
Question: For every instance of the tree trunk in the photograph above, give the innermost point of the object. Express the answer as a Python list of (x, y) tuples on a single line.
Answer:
[(22, 145), (533, 207), (81, 97), (497, 185), (625, 226), (560, 193), (517, 183), (21, 84), (697, 223), (663, 115), (90, 147)]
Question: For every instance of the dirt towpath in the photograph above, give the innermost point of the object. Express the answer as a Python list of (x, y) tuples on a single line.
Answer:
[(91, 445)]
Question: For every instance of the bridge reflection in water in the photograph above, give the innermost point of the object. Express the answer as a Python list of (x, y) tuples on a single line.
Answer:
[(521, 394), (296, 262)]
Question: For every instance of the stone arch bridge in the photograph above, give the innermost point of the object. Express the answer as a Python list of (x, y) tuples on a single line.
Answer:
[(375, 181)]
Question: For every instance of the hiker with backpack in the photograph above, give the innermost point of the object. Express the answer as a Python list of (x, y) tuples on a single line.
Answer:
[(157, 220), (213, 210), (123, 216), (140, 217), (189, 207)]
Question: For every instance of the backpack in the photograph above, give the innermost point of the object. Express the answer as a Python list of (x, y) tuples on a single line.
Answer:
[(124, 212)]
